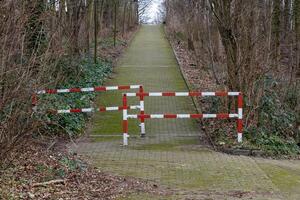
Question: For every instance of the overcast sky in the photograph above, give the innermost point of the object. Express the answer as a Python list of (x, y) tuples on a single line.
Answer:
[(153, 9)]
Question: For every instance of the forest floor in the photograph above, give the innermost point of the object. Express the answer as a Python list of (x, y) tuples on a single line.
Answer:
[(40, 171), (175, 156)]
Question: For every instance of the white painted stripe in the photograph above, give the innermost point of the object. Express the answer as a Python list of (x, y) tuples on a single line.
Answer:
[(183, 116), (182, 94), (63, 111), (240, 111), (208, 94), (233, 93), (240, 137), (233, 115), (125, 116), (112, 108), (131, 117), (135, 86), (63, 90), (157, 116), (209, 115), (112, 88), (155, 94), (131, 94), (143, 130), (134, 107), (142, 105), (41, 92), (86, 110), (87, 89)]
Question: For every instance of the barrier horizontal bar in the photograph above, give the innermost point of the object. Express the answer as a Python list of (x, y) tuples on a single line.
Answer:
[(183, 94), (184, 116), (89, 110), (88, 89)]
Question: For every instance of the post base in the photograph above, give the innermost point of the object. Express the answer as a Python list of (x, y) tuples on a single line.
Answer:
[(240, 137), (125, 139)]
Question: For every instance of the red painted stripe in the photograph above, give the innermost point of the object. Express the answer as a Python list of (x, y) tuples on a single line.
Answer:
[(51, 91), (170, 116), (221, 94), (240, 100), (125, 126), (194, 94), (125, 122), (123, 87), (223, 116), (34, 99), (75, 110), (141, 90), (100, 89), (75, 90), (144, 116), (196, 116), (143, 94), (168, 94), (124, 100), (240, 125), (142, 119), (102, 109)]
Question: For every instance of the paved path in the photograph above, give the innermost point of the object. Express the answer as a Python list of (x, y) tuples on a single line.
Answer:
[(173, 153)]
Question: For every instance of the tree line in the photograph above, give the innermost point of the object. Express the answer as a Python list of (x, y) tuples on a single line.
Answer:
[(249, 46), (36, 36)]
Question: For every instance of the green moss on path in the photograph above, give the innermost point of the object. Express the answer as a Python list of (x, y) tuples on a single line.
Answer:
[(173, 154)]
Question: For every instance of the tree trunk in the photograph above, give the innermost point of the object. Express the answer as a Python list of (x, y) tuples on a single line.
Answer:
[(74, 11), (210, 47), (297, 33), (101, 14), (287, 16), (115, 22), (129, 15), (124, 18), (276, 15), (88, 19), (222, 12), (95, 31)]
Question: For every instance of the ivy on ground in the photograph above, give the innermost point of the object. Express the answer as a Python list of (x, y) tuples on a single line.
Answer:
[(82, 73)]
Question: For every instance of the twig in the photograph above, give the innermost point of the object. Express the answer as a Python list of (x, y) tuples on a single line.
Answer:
[(57, 181)]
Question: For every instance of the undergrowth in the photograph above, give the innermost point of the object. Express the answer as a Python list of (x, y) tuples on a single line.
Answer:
[(78, 73), (275, 131)]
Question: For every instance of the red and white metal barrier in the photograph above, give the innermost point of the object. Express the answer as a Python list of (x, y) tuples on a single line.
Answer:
[(95, 89), (142, 117)]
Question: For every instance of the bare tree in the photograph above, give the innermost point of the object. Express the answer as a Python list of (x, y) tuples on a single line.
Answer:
[(34, 37)]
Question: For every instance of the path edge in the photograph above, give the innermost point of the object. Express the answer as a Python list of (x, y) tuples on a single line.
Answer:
[(190, 87)]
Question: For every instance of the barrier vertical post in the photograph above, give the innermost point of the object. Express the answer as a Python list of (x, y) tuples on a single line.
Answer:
[(142, 112), (125, 121), (34, 99), (240, 118)]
